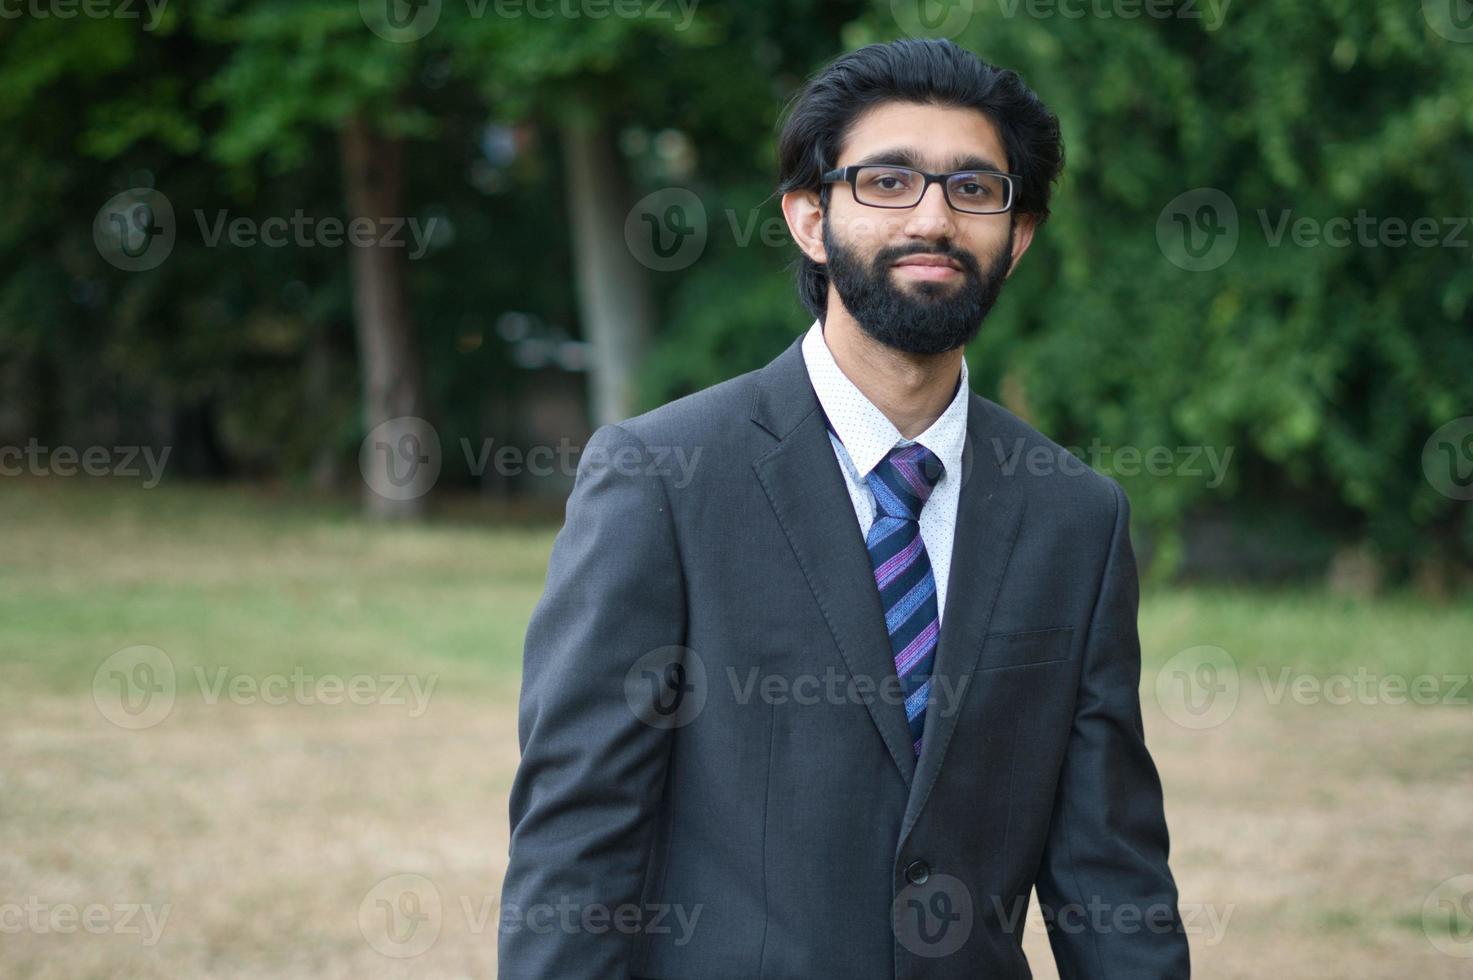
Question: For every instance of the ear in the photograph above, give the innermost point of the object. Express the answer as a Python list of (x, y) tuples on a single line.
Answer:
[(804, 215), (1023, 228)]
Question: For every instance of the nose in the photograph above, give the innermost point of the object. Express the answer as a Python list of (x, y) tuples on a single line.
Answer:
[(931, 218)]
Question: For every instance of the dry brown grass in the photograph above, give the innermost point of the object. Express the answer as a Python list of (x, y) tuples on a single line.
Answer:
[(1316, 832)]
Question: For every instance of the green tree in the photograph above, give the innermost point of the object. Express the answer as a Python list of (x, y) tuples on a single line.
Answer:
[(1324, 369)]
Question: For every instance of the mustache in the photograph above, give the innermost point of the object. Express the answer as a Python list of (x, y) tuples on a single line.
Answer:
[(887, 256)]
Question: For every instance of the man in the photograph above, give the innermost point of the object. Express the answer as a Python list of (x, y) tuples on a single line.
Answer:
[(832, 700)]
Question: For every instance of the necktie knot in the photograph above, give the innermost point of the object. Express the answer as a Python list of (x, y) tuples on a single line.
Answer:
[(902, 482)]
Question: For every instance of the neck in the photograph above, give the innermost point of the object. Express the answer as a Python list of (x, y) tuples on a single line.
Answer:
[(911, 389)]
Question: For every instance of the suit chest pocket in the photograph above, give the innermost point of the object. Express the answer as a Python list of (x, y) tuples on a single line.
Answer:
[(1027, 648)]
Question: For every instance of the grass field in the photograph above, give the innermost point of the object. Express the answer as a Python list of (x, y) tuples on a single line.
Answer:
[(343, 715)]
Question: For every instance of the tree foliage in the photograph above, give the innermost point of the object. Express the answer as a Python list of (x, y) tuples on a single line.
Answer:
[(1324, 365)]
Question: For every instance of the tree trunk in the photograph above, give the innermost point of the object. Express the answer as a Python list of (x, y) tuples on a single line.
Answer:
[(388, 348), (320, 377), (613, 291)]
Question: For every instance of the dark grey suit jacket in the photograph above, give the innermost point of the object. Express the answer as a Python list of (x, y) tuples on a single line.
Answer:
[(716, 778)]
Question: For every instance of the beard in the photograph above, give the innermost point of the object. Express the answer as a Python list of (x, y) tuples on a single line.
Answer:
[(927, 317)]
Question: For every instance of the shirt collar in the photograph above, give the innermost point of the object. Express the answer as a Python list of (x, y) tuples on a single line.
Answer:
[(867, 435)]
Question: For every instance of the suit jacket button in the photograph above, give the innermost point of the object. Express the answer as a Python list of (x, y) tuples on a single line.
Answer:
[(917, 872)]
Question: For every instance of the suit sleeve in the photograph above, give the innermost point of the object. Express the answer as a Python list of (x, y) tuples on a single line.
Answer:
[(1104, 885), (585, 794)]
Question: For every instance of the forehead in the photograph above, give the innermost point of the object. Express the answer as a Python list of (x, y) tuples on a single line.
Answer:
[(931, 137)]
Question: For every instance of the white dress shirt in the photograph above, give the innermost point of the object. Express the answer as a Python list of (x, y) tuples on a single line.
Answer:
[(866, 435)]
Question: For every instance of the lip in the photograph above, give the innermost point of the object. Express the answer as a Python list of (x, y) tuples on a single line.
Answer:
[(931, 260), (928, 267)]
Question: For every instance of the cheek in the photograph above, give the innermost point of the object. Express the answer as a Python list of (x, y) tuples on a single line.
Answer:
[(985, 241), (863, 229)]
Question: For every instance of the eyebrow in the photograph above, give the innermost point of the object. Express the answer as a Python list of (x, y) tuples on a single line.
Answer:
[(905, 156)]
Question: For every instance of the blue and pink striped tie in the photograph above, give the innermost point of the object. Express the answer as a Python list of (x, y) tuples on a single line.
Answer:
[(901, 483)]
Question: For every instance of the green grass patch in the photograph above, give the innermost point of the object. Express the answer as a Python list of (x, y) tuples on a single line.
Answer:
[(260, 582), (254, 583)]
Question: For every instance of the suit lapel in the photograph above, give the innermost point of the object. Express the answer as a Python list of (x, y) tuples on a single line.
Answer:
[(989, 515), (807, 492)]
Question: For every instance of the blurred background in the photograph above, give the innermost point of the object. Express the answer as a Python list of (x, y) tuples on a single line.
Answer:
[(306, 308)]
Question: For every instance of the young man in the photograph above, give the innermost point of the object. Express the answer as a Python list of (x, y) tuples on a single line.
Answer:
[(831, 701)]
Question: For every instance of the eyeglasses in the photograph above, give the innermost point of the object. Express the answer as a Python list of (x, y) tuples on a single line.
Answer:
[(968, 191)]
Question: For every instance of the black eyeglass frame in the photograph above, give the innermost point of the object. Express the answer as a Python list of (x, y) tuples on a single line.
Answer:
[(850, 176)]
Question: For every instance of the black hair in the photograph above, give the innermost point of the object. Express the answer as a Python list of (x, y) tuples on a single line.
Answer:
[(932, 71)]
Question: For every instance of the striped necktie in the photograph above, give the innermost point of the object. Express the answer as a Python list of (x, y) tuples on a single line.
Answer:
[(901, 483)]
